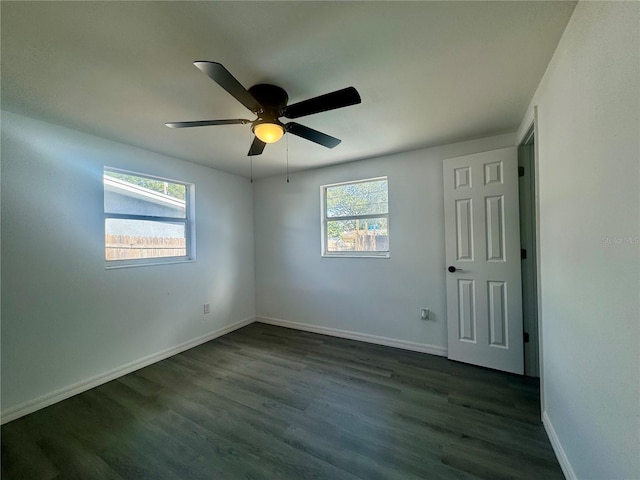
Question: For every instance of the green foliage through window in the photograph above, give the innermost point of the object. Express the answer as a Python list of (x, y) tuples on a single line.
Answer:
[(175, 190), (364, 198)]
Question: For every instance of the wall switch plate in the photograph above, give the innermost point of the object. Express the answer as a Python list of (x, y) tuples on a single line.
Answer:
[(207, 308), (424, 314)]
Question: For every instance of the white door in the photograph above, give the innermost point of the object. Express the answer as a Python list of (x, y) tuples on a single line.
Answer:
[(482, 249)]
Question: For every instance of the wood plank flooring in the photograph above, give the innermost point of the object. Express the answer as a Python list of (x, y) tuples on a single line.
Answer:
[(267, 402)]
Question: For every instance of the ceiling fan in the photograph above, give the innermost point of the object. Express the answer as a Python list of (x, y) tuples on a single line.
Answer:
[(269, 103)]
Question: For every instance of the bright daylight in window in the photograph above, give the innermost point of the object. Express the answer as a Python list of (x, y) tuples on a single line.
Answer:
[(356, 218), (146, 219)]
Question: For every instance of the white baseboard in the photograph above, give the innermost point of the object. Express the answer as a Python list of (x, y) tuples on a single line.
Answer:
[(363, 337), (50, 398), (563, 460)]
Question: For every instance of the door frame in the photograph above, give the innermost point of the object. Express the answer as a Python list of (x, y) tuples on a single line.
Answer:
[(526, 197), (531, 128)]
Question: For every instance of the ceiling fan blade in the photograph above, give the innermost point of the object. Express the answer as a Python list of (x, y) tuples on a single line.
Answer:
[(222, 77), (256, 147), (329, 101), (312, 135), (204, 123)]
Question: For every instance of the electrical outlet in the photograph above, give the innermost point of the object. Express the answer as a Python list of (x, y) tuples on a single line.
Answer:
[(424, 314), (207, 308)]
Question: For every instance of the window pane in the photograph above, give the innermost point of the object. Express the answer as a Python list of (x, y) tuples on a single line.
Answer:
[(136, 195), (364, 198), (364, 235), (129, 239)]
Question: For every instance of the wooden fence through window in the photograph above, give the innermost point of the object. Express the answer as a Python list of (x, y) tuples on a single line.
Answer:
[(357, 242), (125, 247)]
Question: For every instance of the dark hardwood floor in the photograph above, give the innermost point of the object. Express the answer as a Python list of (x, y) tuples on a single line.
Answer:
[(266, 402)]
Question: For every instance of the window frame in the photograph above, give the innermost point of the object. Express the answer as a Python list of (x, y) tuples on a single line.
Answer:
[(324, 221), (188, 221)]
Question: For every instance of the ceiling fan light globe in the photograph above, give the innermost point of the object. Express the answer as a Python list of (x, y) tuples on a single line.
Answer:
[(268, 132)]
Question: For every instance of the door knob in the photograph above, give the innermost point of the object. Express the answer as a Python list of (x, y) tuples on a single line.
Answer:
[(453, 269)]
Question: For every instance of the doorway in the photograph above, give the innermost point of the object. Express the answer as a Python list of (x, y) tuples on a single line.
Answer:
[(491, 257), (529, 268)]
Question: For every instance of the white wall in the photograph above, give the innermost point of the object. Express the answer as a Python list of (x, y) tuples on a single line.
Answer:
[(589, 193), (372, 296), (65, 319)]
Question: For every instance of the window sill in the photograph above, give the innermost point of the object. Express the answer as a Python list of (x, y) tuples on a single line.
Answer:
[(356, 255), (152, 262)]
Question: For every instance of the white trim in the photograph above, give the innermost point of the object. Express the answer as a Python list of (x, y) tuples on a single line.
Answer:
[(114, 265), (349, 182), (525, 126), (362, 337), (536, 199), (563, 460), (56, 396), (356, 255)]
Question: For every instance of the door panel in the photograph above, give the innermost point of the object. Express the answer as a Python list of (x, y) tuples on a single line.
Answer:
[(464, 229), (466, 311), (494, 217), (498, 314), (482, 234)]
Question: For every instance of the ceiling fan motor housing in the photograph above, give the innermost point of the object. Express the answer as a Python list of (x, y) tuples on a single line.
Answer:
[(272, 97)]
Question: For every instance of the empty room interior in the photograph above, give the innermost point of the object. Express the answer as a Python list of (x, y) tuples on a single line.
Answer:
[(340, 240)]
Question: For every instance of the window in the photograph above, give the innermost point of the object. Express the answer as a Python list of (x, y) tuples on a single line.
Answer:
[(356, 219), (147, 220)]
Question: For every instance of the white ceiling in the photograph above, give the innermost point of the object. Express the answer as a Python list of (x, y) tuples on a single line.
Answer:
[(429, 73)]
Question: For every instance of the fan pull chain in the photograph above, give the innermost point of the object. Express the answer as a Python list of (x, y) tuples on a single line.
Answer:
[(287, 159), (250, 160)]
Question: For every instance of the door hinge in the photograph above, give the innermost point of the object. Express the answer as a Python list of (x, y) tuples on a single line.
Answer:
[(521, 171), (525, 336), (523, 254)]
